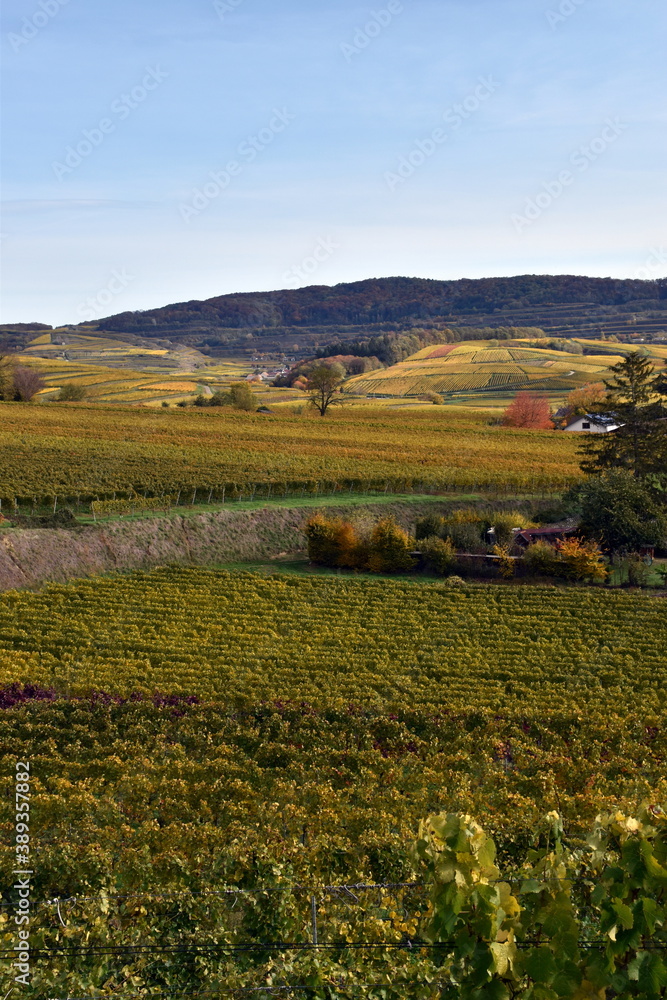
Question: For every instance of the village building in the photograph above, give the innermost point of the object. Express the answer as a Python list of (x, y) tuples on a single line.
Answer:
[(551, 533), (593, 423)]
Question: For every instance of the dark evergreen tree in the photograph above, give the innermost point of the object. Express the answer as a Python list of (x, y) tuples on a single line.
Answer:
[(619, 511), (636, 401)]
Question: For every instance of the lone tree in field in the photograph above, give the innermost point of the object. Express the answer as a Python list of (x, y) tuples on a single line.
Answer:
[(324, 382), (529, 410), (636, 400), (27, 383), (241, 397)]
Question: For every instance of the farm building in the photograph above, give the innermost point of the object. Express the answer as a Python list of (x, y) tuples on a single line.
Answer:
[(593, 423), (552, 533)]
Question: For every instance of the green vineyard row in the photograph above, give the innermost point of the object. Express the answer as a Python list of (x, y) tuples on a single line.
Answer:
[(244, 636), (176, 806), (134, 501)]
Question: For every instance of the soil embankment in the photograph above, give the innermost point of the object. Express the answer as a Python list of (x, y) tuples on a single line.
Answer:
[(31, 557)]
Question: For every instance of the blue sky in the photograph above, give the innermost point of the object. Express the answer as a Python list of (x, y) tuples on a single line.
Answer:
[(155, 152)]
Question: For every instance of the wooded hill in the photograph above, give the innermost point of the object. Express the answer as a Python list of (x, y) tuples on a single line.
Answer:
[(305, 319)]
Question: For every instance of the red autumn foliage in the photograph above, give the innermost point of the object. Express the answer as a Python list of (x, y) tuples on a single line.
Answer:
[(529, 410)]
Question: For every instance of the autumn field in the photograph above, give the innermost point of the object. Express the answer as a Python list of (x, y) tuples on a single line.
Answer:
[(486, 371), (212, 751), (250, 638), (228, 769), (80, 449)]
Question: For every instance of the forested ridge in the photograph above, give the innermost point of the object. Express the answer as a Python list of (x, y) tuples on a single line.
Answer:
[(379, 300)]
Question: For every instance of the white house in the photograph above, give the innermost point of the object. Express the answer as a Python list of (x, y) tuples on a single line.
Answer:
[(593, 423)]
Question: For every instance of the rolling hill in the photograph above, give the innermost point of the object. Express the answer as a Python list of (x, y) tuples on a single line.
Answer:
[(489, 370), (302, 321)]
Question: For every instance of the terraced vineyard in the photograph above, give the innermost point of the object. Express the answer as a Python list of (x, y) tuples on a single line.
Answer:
[(469, 367)]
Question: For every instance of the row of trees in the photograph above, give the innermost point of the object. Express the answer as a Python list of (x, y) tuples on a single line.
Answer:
[(337, 543), (388, 548), (239, 395)]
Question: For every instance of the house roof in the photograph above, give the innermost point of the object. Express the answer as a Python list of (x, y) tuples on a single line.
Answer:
[(606, 420), (529, 535)]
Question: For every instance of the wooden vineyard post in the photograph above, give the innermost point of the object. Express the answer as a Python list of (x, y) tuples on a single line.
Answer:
[(313, 910)]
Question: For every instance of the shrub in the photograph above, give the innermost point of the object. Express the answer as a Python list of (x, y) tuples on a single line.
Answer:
[(389, 548), (322, 534), (579, 560), (465, 536), (638, 571), (464, 515), (429, 526), (506, 564), (219, 399), (240, 396), (71, 393), (433, 397), (439, 556), (540, 559), (334, 542), (352, 550), (454, 581)]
